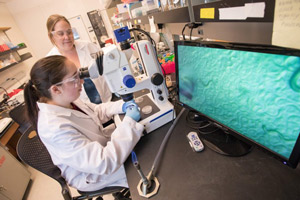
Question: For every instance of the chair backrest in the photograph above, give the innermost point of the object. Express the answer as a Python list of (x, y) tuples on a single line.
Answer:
[(18, 115), (32, 151)]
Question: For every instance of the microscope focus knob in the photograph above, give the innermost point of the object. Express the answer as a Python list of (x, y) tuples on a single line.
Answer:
[(157, 79), (129, 81)]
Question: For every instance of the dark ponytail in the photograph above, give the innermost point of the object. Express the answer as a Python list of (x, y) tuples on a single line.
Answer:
[(31, 98), (44, 73)]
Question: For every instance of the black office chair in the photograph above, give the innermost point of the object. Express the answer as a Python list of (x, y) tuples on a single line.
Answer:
[(18, 115), (32, 151)]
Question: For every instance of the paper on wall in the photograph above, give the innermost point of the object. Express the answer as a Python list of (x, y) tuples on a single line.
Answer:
[(286, 26), (255, 10)]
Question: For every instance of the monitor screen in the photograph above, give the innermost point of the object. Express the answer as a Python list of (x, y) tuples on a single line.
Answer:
[(251, 90)]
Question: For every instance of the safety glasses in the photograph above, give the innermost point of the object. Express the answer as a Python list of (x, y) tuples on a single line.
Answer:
[(61, 33), (74, 79)]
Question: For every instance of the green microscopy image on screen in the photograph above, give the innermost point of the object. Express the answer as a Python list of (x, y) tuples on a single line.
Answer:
[(254, 94)]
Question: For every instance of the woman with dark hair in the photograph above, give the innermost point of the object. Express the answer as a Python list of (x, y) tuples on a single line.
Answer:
[(80, 53), (89, 156)]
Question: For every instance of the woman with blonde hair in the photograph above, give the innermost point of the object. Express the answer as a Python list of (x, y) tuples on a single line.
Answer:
[(80, 53)]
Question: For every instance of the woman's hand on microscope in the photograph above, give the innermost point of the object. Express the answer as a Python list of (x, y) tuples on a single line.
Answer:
[(133, 111), (127, 104)]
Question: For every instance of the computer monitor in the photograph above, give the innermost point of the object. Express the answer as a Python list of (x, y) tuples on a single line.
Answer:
[(251, 92)]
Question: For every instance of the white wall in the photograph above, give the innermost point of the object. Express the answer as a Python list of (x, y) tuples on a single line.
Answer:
[(31, 17), (19, 71)]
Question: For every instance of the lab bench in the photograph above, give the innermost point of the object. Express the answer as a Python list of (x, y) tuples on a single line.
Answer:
[(184, 174)]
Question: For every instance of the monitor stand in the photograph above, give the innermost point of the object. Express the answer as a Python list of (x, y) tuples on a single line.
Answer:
[(216, 139), (225, 144)]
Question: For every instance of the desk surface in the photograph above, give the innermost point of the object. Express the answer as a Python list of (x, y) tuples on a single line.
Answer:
[(184, 174), (9, 133)]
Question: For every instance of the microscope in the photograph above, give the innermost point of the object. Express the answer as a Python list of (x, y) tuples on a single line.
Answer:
[(129, 71)]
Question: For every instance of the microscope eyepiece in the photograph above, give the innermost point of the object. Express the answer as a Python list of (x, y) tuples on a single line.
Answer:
[(84, 73), (99, 62)]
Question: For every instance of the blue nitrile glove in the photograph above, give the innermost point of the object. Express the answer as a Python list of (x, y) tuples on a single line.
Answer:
[(127, 103), (133, 112)]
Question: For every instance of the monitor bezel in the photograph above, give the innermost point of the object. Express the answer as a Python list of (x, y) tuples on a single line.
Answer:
[(295, 154)]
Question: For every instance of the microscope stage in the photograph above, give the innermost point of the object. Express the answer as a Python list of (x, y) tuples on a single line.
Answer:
[(159, 115)]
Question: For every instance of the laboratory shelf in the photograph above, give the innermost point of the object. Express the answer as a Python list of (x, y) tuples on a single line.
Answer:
[(176, 15), (17, 48), (23, 58), (14, 52)]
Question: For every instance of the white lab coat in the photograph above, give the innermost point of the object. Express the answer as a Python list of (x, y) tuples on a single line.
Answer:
[(89, 156), (84, 50)]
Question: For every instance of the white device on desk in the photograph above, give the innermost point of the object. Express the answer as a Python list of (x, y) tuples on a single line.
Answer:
[(120, 79), (4, 123), (195, 141)]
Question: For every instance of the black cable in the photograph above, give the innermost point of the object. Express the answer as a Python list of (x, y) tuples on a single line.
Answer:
[(172, 89), (183, 31), (172, 94), (196, 124), (201, 124), (153, 43), (4, 90), (208, 128), (5, 97), (142, 31), (207, 132), (191, 26), (191, 33)]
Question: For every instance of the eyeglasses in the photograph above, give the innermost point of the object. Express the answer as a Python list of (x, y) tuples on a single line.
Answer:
[(75, 79), (60, 34)]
